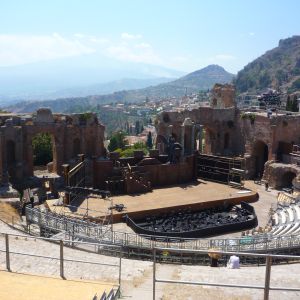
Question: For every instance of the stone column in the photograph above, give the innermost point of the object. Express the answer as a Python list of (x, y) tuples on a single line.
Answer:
[(182, 139), (188, 124), (193, 139), (200, 138)]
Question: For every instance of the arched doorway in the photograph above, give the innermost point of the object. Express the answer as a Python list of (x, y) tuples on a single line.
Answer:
[(260, 153), (283, 150), (287, 179), (208, 141), (42, 147)]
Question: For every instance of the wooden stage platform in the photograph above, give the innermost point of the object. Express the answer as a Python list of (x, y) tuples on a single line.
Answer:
[(196, 195)]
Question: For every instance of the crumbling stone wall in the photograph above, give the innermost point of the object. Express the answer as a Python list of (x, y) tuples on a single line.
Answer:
[(71, 134), (222, 96), (231, 132), (280, 175)]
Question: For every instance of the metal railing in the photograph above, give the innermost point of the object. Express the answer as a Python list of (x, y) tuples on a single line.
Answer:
[(156, 252), (266, 287), (94, 232), (60, 257)]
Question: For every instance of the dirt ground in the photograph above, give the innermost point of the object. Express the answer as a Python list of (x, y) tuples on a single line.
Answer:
[(8, 213), (30, 287)]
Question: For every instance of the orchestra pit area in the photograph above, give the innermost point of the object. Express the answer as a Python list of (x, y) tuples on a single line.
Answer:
[(197, 224)]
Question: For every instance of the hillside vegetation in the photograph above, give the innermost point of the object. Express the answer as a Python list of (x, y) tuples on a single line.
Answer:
[(278, 68)]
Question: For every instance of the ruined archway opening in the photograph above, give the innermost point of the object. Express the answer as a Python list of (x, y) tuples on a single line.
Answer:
[(283, 151), (287, 179), (207, 140), (42, 147), (260, 153)]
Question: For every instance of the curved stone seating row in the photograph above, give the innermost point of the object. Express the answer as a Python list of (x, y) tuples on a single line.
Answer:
[(285, 222)]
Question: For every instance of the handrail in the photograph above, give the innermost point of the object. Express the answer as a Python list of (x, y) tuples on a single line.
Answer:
[(60, 256), (94, 231), (266, 287)]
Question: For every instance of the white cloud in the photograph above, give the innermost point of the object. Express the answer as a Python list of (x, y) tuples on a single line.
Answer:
[(142, 45), (128, 36), (131, 53), (79, 35), (251, 33), (21, 49), (224, 57), (98, 40)]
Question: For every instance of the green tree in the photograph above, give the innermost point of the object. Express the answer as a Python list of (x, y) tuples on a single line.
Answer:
[(288, 106), (149, 142), (117, 140), (42, 149), (137, 127), (295, 104), (128, 152)]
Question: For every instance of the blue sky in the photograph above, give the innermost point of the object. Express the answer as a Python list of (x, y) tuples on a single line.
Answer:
[(183, 35)]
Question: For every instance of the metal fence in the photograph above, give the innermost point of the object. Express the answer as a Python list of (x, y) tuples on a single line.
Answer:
[(60, 257), (94, 232), (268, 262), (157, 253)]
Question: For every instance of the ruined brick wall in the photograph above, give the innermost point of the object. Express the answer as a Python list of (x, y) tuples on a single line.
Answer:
[(222, 96), (277, 134), (217, 123), (230, 132), (71, 135)]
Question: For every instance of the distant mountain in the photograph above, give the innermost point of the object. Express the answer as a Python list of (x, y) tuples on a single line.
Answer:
[(77, 76), (191, 83), (277, 68), (110, 87)]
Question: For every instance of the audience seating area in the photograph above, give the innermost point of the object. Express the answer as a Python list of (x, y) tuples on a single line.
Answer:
[(284, 220)]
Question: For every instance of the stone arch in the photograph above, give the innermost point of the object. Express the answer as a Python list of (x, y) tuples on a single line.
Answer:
[(199, 142), (76, 147), (260, 153), (283, 149), (45, 154), (56, 146), (209, 140), (287, 179)]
